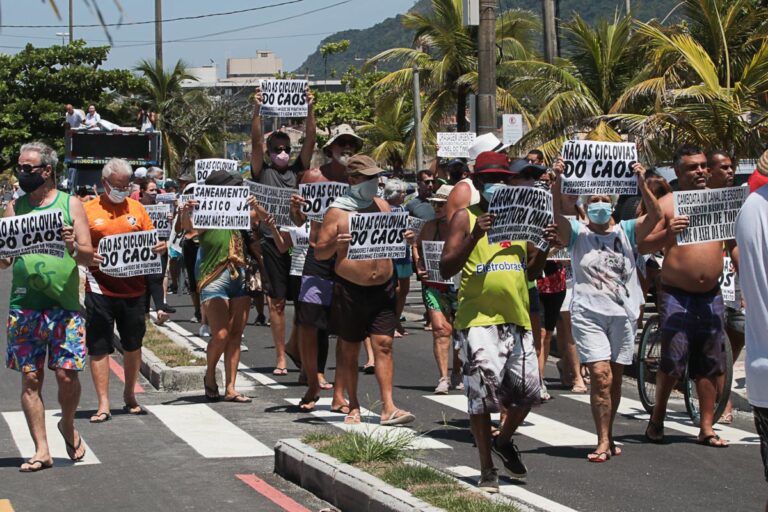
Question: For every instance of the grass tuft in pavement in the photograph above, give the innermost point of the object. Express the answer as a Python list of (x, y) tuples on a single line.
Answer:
[(361, 447), (169, 352)]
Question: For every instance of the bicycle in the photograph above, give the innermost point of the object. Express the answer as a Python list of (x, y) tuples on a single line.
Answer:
[(649, 355)]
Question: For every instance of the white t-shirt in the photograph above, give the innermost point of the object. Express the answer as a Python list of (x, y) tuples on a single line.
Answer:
[(300, 240), (75, 119), (752, 239), (92, 120), (604, 270)]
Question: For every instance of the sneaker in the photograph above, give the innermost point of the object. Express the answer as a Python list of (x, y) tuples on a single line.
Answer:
[(510, 457), (457, 381), (261, 320), (168, 309), (205, 331), (243, 347), (443, 385), (489, 481), (544, 394), (195, 319)]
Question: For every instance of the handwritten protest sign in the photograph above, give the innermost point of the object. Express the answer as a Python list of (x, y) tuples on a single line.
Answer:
[(594, 167), (415, 224), (33, 233), (205, 166), (431, 252), (728, 284), (284, 98), (130, 254), (522, 213), (159, 213), (276, 200), (377, 236), (454, 144), (711, 213), (221, 208), (512, 128), (319, 196)]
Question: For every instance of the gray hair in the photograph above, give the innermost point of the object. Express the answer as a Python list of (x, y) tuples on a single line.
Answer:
[(393, 187), (586, 197), (116, 166), (47, 155)]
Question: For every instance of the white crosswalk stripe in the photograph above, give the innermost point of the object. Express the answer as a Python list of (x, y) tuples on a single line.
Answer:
[(515, 491), (209, 433), (678, 421), (369, 424), (538, 427), (17, 423)]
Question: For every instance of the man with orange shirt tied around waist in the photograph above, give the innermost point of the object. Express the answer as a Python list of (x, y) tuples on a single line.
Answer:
[(111, 300)]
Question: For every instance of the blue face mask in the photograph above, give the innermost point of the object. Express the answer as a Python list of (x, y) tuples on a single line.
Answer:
[(489, 189), (599, 213)]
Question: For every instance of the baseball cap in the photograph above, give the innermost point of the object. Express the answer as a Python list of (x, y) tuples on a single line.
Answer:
[(489, 162), (224, 178), (362, 164), (523, 166), (343, 130), (483, 143), (140, 173)]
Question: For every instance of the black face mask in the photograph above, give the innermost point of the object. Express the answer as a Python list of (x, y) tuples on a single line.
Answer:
[(30, 181)]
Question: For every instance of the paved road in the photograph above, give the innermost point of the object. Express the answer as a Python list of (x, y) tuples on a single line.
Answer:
[(156, 460)]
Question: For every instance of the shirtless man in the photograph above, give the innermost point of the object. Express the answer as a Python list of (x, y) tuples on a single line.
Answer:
[(690, 305), (364, 293), (316, 292)]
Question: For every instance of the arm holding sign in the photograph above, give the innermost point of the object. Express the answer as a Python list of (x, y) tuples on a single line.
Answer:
[(458, 199), (7, 262), (664, 234), (647, 222), (257, 137), (461, 242), (538, 258), (333, 233), (77, 237), (310, 132), (563, 224)]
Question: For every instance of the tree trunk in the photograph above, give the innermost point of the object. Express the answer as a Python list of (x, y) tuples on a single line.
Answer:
[(461, 110)]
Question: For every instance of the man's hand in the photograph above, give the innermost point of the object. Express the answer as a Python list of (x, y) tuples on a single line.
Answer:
[(159, 248), (296, 203), (310, 97), (409, 236), (678, 224), (482, 225), (550, 235), (6, 262), (343, 238), (639, 171), (97, 258), (252, 202), (68, 235), (559, 166), (258, 101)]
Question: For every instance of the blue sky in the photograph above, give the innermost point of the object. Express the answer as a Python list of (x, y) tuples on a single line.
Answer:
[(132, 43)]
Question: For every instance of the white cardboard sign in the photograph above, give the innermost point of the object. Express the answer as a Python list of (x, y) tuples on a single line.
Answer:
[(512, 128), (284, 98), (454, 144), (431, 252), (522, 213), (205, 166), (711, 213), (221, 207), (130, 254), (159, 213), (276, 200), (377, 236), (319, 196), (595, 167), (32, 233)]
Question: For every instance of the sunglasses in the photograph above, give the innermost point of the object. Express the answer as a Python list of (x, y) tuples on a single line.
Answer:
[(26, 168), (280, 149)]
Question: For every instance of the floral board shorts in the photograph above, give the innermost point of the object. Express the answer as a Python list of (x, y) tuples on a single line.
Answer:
[(57, 332), (500, 367)]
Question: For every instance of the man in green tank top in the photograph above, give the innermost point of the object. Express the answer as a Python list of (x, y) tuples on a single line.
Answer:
[(492, 322), (44, 313)]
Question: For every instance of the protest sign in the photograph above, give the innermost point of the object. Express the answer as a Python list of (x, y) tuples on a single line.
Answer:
[(300, 242), (221, 207), (176, 237), (431, 252), (130, 254), (284, 98), (319, 196), (512, 128), (33, 233), (276, 200), (711, 213), (415, 224), (454, 144), (159, 213), (377, 236), (728, 284), (205, 166), (594, 167), (168, 197), (522, 213), (562, 254)]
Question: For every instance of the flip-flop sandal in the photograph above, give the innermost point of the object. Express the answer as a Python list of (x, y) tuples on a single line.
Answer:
[(579, 389), (397, 417), (211, 392), (131, 409), (726, 419), (71, 447), (615, 450), (657, 431), (280, 371), (238, 398), (352, 419), (708, 441), (342, 409), (33, 468), (598, 457), (326, 385), (304, 404), (101, 417), (369, 369)]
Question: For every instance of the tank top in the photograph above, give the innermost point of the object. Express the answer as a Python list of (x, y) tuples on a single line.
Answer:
[(475, 198), (494, 288), (41, 281)]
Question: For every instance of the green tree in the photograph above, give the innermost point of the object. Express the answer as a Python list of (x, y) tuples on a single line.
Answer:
[(355, 106), (36, 83), (388, 136), (329, 49)]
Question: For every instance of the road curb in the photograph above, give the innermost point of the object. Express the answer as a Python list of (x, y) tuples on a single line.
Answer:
[(342, 485)]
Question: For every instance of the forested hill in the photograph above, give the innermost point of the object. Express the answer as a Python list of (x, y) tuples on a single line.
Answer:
[(391, 34)]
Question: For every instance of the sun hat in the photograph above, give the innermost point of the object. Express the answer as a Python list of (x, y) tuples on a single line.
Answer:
[(442, 194), (362, 164), (343, 130), (224, 178), (483, 143), (490, 162)]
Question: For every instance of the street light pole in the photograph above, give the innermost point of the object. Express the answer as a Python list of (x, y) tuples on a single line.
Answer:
[(71, 23), (417, 119), (159, 33), (550, 31), (486, 57)]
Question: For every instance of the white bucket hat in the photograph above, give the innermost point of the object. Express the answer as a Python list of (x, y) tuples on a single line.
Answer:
[(485, 142)]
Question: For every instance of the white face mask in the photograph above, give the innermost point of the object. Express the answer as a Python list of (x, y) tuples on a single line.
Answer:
[(364, 192), (117, 196)]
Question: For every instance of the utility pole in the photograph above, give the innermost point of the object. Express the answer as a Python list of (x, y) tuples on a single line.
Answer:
[(71, 23), (417, 119), (159, 33), (486, 58), (628, 6), (550, 31)]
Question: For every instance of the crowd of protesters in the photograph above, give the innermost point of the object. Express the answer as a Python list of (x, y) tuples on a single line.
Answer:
[(492, 308)]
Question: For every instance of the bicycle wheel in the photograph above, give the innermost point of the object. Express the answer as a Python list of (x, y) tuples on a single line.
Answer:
[(648, 357), (692, 398)]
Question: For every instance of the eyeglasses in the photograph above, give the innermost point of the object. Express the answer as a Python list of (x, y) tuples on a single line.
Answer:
[(280, 149), (119, 189), (26, 168), (428, 182)]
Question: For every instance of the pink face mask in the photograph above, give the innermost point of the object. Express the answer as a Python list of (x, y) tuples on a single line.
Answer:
[(280, 159)]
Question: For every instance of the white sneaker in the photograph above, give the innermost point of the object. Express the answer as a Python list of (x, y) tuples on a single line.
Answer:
[(457, 381), (443, 385), (205, 331), (243, 347)]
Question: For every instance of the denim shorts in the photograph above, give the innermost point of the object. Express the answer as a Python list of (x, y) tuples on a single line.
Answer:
[(224, 287)]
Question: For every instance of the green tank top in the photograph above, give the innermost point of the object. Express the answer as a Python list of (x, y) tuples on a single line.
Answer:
[(494, 288), (41, 281)]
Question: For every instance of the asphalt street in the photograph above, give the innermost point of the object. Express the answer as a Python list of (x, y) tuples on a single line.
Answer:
[(157, 461)]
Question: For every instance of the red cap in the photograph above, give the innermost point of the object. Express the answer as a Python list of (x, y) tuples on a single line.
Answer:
[(492, 162), (757, 180)]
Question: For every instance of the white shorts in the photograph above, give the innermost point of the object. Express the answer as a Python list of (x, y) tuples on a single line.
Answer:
[(603, 338)]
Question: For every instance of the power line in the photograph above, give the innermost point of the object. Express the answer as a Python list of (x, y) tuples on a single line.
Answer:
[(183, 18), (147, 41)]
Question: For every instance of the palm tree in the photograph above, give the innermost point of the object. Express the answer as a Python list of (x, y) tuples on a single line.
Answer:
[(700, 85), (446, 57), (570, 95), (388, 136)]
